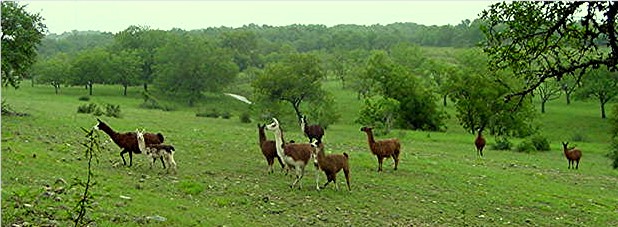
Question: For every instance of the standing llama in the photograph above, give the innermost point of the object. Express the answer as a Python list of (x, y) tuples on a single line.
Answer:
[(128, 140), (311, 131), (573, 155), (268, 149), (161, 151), (295, 155), (383, 148), (479, 142), (331, 164)]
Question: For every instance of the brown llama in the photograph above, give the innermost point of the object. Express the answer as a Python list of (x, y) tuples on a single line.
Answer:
[(573, 155), (331, 164), (268, 149), (311, 131), (383, 148), (479, 142), (128, 140), (295, 155)]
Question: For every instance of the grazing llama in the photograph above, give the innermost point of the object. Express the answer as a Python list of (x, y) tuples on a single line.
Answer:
[(479, 142), (128, 140), (311, 131), (573, 155), (331, 164), (161, 151), (383, 148), (268, 149), (295, 155)]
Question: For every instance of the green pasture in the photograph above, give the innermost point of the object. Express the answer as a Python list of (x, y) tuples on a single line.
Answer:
[(222, 177)]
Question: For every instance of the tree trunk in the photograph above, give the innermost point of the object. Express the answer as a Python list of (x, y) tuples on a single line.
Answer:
[(56, 87), (603, 116), (125, 90), (543, 101), (568, 98), (444, 100), (90, 88), (296, 106), (146, 87)]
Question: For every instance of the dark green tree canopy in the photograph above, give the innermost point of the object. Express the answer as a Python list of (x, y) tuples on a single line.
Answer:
[(540, 40), (21, 32)]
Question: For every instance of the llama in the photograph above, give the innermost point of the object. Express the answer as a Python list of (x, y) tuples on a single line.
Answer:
[(311, 131), (268, 149), (479, 142), (331, 164), (383, 148), (155, 151), (295, 155), (572, 154), (128, 140)]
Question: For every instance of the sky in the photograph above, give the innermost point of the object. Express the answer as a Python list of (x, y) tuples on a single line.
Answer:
[(115, 16)]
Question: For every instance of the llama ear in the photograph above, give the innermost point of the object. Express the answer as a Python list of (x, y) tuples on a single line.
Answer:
[(275, 120)]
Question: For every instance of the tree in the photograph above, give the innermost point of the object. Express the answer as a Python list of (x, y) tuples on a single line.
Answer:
[(380, 113), (125, 67), (613, 154), (418, 108), (244, 47), (189, 65), (547, 91), (568, 85), (90, 67), (293, 80), (561, 38), (600, 84), (55, 70), (478, 96), (21, 32)]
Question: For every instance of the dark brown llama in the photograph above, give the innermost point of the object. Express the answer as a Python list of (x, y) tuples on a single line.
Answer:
[(479, 142), (268, 149), (311, 131), (573, 155), (383, 148), (128, 140)]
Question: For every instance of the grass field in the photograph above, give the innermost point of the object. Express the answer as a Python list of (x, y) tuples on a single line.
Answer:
[(222, 178)]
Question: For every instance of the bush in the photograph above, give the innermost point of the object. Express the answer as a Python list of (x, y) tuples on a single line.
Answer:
[(226, 115), (540, 143), (112, 110), (245, 117), (525, 146), (84, 98), (502, 144), (212, 114), (89, 108), (578, 137), (613, 155)]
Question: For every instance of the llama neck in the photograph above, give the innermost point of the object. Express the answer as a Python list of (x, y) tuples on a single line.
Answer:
[(279, 142), (370, 137), (109, 131), (141, 143), (321, 154), (262, 135), (302, 125)]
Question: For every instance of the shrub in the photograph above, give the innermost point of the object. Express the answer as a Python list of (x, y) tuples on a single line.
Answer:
[(502, 144), (245, 117), (112, 110), (226, 115), (540, 143), (578, 137), (84, 98), (89, 108), (613, 155), (525, 146), (212, 114)]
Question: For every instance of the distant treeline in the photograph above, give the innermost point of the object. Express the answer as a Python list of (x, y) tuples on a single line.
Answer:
[(302, 38)]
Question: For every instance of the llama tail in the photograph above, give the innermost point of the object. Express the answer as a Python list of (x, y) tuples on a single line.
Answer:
[(346, 155)]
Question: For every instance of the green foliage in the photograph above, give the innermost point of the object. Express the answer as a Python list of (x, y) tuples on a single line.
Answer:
[(226, 115), (293, 80), (84, 98), (542, 40), (213, 113), (151, 102), (526, 146), (417, 105), (379, 113), (186, 66), (600, 84), (94, 109), (578, 137), (540, 143), (88, 108), (613, 154), (112, 110), (479, 99), (245, 117), (21, 32), (502, 143), (55, 70)]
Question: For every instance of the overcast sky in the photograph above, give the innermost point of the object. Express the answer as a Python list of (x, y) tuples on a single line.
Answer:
[(115, 16)]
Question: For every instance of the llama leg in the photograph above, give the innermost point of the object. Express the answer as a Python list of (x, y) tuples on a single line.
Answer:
[(396, 160), (162, 162), (577, 166), (130, 158), (153, 162), (380, 160), (335, 181), (346, 171), (317, 179), (122, 156), (281, 162)]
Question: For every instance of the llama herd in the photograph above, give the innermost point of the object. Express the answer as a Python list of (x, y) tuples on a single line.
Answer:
[(290, 155)]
